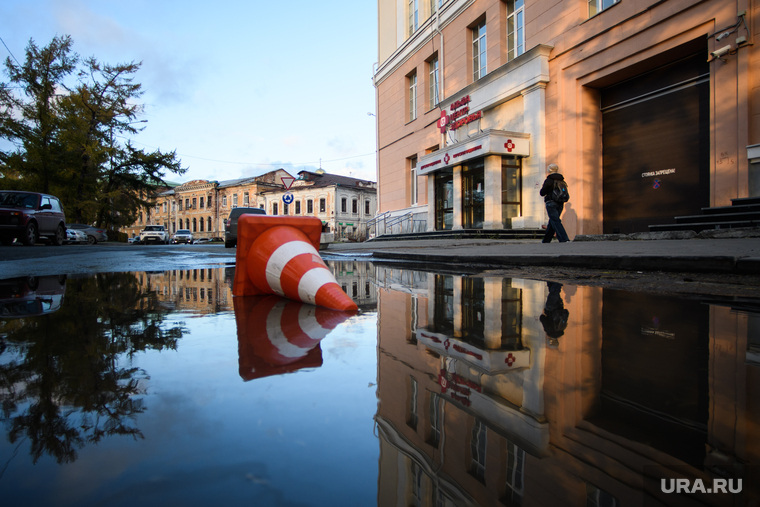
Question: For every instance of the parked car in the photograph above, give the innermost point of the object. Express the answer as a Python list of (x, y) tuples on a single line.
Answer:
[(30, 216), (133, 241), (29, 296), (76, 236), (182, 236), (201, 241), (154, 234), (94, 234), (230, 225)]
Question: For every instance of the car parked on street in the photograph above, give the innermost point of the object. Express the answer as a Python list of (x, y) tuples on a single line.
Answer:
[(230, 225), (76, 236), (94, 234), (154, 234), (31, 216), (182, 236)]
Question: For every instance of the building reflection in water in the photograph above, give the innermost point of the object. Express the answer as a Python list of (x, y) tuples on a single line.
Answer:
[(517, 392)]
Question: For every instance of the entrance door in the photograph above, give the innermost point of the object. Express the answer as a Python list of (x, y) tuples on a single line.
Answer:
[(473, 194), (656, 146), (444, 200)]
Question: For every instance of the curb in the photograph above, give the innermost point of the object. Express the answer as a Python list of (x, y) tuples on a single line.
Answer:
[(691, 264)]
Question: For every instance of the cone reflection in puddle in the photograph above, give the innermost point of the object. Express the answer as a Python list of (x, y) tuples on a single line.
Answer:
[(278, 335)]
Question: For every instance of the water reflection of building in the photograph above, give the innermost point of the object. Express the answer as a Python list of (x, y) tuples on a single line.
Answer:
[(356, 278), (478, 406), (202, 290)]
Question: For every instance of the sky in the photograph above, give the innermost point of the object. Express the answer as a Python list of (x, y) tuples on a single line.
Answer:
[(237, 88)]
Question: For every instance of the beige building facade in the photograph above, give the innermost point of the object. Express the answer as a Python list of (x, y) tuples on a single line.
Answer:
[(650, 109), (344, 205)]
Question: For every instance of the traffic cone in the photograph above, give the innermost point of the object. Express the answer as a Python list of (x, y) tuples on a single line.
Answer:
[(277, 336), (279, 255)]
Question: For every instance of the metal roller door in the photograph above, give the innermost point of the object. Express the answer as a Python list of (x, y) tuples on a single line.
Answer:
[(656, 146)]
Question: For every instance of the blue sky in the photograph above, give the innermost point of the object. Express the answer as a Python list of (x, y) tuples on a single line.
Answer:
[(237, 88)]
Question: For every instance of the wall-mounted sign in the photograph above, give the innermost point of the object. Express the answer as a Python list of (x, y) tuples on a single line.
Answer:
[(460, 115), (487, 143), (287, 198)]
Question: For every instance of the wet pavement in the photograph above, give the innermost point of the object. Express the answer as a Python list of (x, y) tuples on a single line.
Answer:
[(158, 387)]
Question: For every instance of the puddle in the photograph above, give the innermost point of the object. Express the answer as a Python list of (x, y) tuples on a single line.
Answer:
[(161, 388)]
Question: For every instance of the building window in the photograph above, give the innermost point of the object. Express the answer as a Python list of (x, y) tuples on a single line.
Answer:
[(412, 82), (413, 16), (209, 224), (412, 417), (597, 6), (478, 451), (200, 224), (479, 67), (208, 201), (343, 204), (354, 206), (309, 207), (322, 205), (202, 202), (187, 203), (195, 203), (224, 201), (298, 207), (366, 207), (246, 199), (234, 200), (433, 97), (434, 437), (195, 225), (412, 180), (285, 209), (515, 28), (274, 208)]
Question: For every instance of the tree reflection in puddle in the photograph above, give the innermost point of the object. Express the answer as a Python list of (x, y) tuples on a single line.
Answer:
[(65, 383)]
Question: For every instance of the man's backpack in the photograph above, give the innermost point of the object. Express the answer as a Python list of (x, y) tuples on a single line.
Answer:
[(560, 193)]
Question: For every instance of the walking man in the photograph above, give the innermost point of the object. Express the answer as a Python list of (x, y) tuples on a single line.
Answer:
[(554, 203)]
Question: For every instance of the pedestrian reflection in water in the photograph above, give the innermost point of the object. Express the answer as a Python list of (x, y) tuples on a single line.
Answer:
[(554, 318), (277, 335)]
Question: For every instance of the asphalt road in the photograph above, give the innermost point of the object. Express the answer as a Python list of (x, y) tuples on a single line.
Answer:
[(42, 260)]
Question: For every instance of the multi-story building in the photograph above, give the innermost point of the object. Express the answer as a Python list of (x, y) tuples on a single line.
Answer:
[(651, 110), (344, 204), (202, 206)]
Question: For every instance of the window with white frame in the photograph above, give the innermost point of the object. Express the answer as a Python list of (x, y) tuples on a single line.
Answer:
[(413, 180), (413, 16), (433, 97), (412, 81), (515, 28), (224, 201), (597, 6), (479, 67), (478, 445)]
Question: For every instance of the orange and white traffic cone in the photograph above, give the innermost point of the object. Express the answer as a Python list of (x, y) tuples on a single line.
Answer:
[(279, 255), (277, 335)]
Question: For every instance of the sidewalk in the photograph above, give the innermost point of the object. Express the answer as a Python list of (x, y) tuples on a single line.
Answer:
[(724, 255)]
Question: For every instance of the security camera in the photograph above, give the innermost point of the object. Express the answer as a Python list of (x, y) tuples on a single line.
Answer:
[(718, 53)]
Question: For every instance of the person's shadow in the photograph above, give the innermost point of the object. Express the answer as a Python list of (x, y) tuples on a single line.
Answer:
[(554, 318)]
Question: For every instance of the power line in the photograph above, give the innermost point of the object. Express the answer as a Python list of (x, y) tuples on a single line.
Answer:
[(10, 52)]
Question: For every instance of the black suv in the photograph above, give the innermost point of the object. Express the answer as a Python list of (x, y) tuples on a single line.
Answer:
[(230, 225), (29, 216)]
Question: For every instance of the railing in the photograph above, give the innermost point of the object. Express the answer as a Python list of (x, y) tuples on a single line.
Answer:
[(401, 224)]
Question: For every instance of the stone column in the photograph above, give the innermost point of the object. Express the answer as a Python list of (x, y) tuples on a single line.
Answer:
[(457, 206), (534, 167), (492, 218)]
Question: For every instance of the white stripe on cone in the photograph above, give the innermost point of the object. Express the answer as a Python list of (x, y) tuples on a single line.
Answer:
[(274, 332), (310, 282)]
